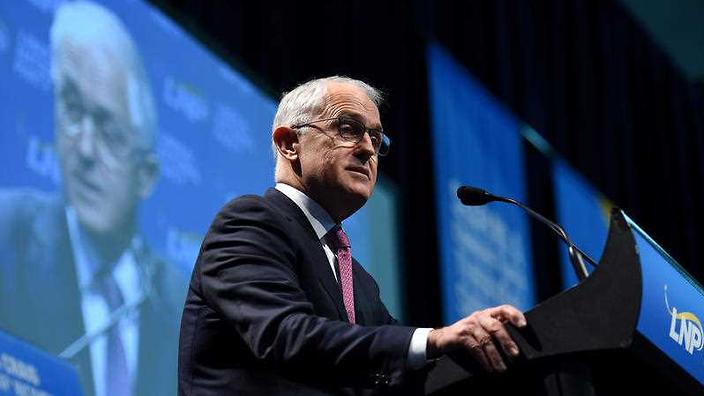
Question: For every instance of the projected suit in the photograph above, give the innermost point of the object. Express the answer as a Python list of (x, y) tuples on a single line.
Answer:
[(40, 297)]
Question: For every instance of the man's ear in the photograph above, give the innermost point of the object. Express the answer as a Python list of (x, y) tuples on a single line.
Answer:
[(286, 142), (147, 175)]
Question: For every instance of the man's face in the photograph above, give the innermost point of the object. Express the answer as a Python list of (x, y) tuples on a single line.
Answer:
[(101, 163), (340, 174)]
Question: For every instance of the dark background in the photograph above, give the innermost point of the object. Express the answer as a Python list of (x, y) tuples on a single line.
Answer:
[(584, 74)]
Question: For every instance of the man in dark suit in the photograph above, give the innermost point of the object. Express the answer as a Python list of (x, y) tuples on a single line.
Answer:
[(76, 277), (276, 304)]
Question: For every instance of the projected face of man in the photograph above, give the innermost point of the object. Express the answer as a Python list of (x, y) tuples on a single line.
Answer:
[(105, 171)]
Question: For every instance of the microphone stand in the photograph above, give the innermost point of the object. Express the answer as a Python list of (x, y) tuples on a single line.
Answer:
[(86, 339), (576, 254), (474, 196)]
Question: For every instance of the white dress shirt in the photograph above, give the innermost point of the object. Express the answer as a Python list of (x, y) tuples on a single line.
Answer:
[(322, 223), (94, 306)]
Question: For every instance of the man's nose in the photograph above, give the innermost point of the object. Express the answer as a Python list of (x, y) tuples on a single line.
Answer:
[(366, 144), (86, 144)]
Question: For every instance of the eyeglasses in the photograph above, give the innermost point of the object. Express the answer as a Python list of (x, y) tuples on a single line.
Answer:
[(114, 141), (353, 131)]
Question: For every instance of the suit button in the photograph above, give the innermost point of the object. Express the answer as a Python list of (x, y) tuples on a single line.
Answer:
[(381, 380), (378, 379)]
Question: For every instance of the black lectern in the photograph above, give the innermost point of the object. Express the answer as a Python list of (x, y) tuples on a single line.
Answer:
[(632, 326)]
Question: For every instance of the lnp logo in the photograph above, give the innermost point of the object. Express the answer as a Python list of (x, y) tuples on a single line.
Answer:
[(690, 328)]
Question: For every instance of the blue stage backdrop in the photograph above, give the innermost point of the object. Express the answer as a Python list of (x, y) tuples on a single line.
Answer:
[(584, 214), (485, 251), (131, 98)]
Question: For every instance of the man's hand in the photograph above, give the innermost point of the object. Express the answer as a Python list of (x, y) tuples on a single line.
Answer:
[(481, 334)]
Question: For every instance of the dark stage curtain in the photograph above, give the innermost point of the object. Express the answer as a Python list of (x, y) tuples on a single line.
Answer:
[(590, 80)]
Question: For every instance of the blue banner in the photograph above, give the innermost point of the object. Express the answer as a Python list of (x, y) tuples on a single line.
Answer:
[(485, 251), (25, 370), (672, 306)]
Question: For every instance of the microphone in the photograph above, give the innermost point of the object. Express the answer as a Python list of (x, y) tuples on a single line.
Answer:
[(473, 196), (89, 337)]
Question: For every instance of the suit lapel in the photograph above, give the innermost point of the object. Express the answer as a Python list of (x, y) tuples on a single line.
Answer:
[(151, 335), (159, 317), (312, 246), (56, 277), (361, 297), (155, 338)]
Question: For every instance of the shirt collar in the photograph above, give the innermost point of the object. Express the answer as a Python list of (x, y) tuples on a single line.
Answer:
[(86, 266), (317, 216)]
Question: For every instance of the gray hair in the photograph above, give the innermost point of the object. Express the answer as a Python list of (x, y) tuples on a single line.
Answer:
[(307, 101), (88, 23)]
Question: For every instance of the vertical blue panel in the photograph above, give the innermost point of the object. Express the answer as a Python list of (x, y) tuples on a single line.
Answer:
[(485, 254), (584, 214), (373, 234)]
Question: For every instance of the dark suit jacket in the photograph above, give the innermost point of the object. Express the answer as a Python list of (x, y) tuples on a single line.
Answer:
[(264, 314), (40, 301)]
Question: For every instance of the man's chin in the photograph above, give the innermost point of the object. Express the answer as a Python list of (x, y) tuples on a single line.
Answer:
[(358, 196), (93, 219), (360, 186)]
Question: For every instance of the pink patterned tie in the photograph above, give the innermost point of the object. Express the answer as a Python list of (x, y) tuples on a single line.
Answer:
[(344, 263)]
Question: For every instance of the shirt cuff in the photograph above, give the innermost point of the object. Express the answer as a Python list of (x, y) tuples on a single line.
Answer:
[(416, 349)]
